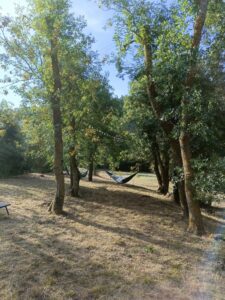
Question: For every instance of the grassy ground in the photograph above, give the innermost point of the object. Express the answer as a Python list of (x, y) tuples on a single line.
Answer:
[(116, 242)]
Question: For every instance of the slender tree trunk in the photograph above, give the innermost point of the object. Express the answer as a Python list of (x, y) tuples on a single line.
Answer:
[(90, 170), (167, 126), (161, 166), (164, 171), (156, 167), (71, 176), (195, 218), (74, 175), (157, 173), (180, 196), (161, 169), (166, 159), (56, 205), (176, 194)]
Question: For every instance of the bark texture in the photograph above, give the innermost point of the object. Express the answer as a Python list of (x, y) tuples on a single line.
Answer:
[(161, 167), (56, 205), (157, 173), (74, 175), (90, 169), (74, 170), (195, 217)]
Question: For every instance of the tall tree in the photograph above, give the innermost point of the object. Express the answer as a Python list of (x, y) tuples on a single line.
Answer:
[(146, 130), (53, 34), (195, 220), (37, 42), (166, 45), (96, 126), (142, 25)]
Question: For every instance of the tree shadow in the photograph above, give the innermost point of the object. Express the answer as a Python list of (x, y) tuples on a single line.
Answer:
[(130, 200), (39, 265), (37, 253), (99, 180)]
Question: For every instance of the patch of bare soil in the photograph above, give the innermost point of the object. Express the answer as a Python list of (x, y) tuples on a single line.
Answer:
[(115, 242)]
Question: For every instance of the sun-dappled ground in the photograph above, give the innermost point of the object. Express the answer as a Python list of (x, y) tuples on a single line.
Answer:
[(115, 242)]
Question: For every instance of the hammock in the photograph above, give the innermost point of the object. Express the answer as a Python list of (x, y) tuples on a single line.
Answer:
[(120, 179), (83, 174)]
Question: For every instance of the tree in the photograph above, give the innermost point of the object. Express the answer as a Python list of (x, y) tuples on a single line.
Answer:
[(161, 41), (77, 61), (36, 43), (147, 134), (195, 220), (143, 26), (97, 128)]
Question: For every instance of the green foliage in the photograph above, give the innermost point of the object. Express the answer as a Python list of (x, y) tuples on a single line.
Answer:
[(142, 126), (11, 142), (167, 32), (38, 136), (87, 103), (210, 178)]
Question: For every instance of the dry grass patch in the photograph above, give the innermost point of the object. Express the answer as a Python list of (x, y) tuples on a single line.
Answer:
[(115, 242)]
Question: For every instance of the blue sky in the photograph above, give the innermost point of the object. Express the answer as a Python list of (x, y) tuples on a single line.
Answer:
[(96, 19)]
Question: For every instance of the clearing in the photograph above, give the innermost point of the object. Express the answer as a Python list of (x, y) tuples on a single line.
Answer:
[(115, 242)]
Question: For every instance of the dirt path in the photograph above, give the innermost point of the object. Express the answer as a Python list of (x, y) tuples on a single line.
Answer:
[(116, 242)]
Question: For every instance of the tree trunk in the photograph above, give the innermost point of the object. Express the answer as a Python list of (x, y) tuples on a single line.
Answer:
[(74, 171), (166, 159), (176, 194), (56, 205), (180, 196), (90, 170), (161, 169), (157, 173), (164, 170), (156, 168), (167, 126), (71, 175), (74, 176), (195, 218)]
